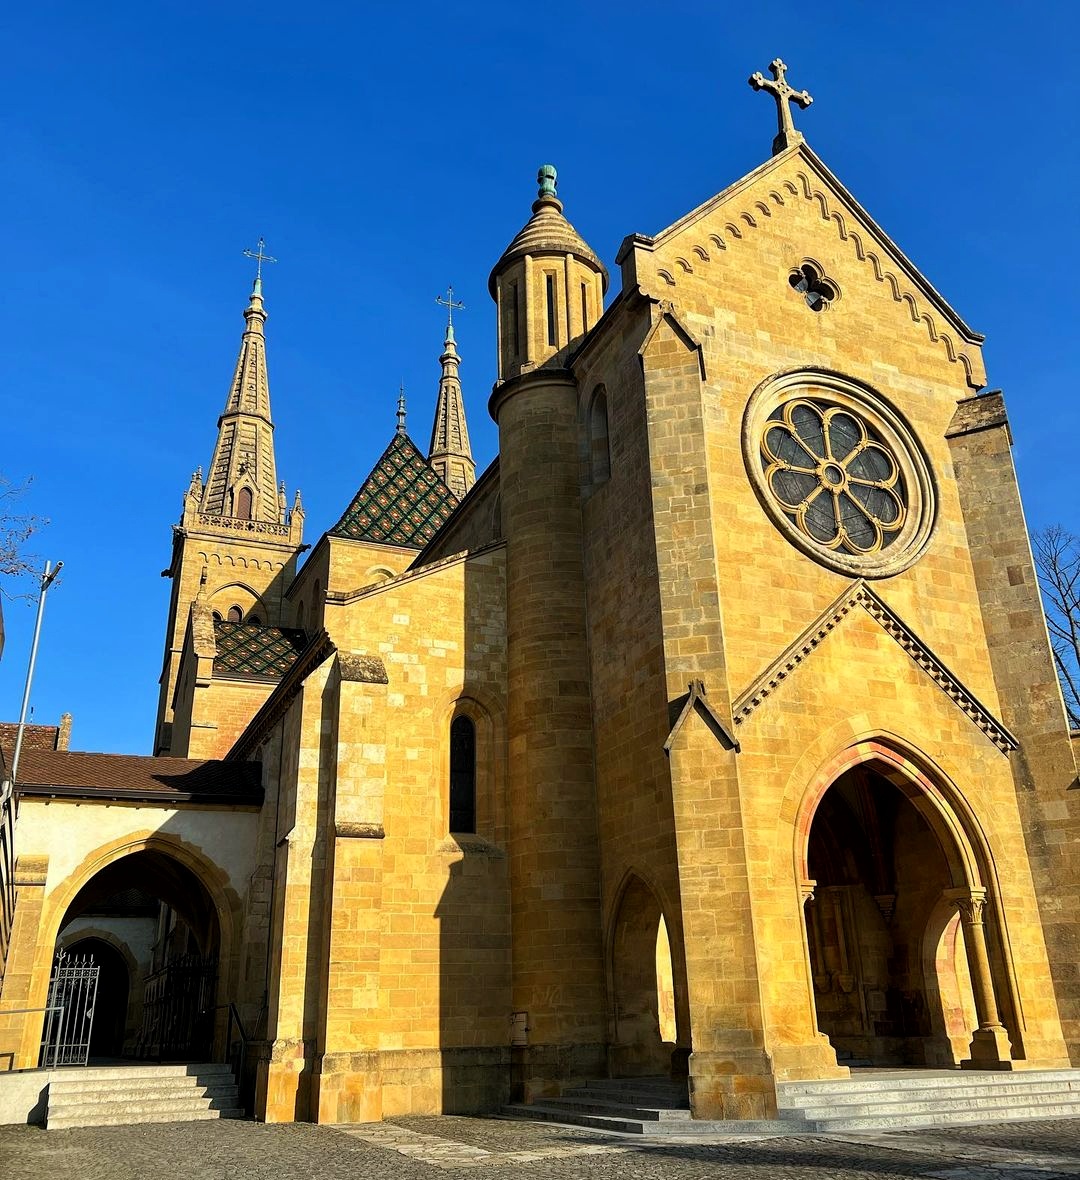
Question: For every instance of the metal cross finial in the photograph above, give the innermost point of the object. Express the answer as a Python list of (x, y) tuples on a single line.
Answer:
[(450, 304), (401, 408), (784, 94), (260, 256)]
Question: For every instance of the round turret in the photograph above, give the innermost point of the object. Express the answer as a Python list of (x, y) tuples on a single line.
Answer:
[(548, 286)]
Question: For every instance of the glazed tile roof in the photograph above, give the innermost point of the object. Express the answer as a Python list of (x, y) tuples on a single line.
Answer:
[(251, 649), (402, 502), (78, 774)]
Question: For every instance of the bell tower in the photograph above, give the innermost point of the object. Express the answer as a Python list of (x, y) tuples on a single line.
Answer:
[(235, 548)]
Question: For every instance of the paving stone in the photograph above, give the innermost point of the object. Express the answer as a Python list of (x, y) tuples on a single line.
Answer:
[(422, 1148)]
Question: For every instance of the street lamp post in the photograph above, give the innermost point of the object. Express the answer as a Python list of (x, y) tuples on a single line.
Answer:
[(47, 579)]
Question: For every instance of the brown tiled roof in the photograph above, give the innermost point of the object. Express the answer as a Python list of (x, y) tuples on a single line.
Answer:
[(250, 649), (35, 737), (137, 777)]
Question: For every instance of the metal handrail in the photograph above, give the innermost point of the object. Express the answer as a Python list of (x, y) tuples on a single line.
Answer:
[(47, 1036), (234, 1018)]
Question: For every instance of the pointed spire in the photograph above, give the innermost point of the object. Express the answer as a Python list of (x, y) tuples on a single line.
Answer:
[(401, 409), (242, 480), (450, 454)]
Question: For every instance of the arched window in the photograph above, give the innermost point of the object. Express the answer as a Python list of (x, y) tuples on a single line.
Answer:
[(235, 615), (254, 620), (462, 775), (244, 504), (217, 616), (599, 451)]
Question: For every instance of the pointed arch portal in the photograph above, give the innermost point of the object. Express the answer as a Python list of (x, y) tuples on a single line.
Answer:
[(906, 955)]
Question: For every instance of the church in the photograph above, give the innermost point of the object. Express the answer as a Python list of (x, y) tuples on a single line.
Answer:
[(711, 733)]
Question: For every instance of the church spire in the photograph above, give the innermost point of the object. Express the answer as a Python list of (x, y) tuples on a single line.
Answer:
[(242, 480), (450, 454)]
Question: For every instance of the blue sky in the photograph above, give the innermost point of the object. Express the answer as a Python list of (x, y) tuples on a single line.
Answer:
[(386, 151)]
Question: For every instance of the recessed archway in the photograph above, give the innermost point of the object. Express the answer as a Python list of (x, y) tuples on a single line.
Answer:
[(153, 927), (899, 951), (646, 1006)]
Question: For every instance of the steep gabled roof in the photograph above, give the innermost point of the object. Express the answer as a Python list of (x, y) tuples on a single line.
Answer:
[(250, 649), (402, 502)]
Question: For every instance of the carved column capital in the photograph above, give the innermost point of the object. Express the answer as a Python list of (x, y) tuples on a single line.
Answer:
[(971, 904), (806, 891)]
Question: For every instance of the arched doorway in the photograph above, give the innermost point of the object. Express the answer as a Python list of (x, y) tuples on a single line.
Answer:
[(645, 1014), (897, 944), (152, 910), (110, 1029)]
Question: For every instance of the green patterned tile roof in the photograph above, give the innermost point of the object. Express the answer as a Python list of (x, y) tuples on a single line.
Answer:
[(402, 502), (250, 649)]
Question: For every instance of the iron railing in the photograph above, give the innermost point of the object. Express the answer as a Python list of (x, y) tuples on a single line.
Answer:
[(177, 1010), (70, 1011)]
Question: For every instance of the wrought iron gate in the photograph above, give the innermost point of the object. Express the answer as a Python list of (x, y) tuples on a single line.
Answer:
[(69, 1017), (178, 1009)]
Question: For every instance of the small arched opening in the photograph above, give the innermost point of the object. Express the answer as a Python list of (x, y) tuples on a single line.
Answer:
[(645, 1004), (244, 504), (110, 1029)]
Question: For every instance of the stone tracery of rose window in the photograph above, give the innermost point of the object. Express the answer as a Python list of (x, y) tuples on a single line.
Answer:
[(833, 476)]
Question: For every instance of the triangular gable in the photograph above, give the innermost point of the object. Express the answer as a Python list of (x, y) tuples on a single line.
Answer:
[(402, 502), (811, 181), (696, 701), (856, 596)]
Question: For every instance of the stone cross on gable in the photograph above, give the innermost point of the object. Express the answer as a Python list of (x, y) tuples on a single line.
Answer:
[(784, 94)]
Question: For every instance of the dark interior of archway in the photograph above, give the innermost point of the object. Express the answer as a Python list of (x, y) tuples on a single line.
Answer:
[(160, 912), (109, 1029), (880, 873), (161, 877)]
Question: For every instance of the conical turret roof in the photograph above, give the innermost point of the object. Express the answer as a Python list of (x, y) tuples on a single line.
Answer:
[(547, 232)]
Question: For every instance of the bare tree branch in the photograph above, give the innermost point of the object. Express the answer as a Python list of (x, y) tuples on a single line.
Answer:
[(16, 528), (1057, 562)]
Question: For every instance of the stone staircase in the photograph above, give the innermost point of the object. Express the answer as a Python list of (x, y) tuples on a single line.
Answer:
[(123, 1094), (887, 1100), (870, 1100), (639, 1106)]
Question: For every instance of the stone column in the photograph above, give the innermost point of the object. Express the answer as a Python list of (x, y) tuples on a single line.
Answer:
[(990, 1048)]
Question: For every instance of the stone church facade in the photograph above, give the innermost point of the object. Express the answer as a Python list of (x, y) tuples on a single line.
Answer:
[(713, 730)]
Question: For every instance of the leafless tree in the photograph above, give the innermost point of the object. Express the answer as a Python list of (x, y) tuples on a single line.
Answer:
[(16, 528), (1057, 560)]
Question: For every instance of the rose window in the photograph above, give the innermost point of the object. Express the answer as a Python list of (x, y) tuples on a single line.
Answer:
[(833, 477)]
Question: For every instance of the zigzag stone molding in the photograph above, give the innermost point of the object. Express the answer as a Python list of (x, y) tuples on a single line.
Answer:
[(738, 226), (861, 595)]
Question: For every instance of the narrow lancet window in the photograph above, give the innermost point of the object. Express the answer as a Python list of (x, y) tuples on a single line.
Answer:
[(462, 775), (235, 615), (515, 325), (244, 504), (552, 339), (584, 308), (599, 447)]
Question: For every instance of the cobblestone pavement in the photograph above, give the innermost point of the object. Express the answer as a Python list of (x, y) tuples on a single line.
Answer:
[(426, 1148)]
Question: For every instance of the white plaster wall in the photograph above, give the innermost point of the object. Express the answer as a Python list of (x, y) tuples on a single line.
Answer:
[(68, 832), (137, 934)]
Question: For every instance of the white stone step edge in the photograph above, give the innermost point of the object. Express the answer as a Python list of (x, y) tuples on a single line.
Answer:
[(621, 1110), (991, 1103), (110, 1072), (948, 1094), (145, 1089), (942, 1119), (674, 1129), (187, 1116), (923, 1080)]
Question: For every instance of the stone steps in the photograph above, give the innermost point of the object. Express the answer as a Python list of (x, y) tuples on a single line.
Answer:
[(640, 1106), (875, 1101), (117, 1095), (931, 1099)]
